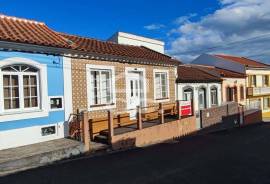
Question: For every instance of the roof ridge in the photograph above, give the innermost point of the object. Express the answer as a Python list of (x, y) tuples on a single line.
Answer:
[(156, 51), (229, 70), (207, 72), (96, 39), (240, 57), (2, 16)]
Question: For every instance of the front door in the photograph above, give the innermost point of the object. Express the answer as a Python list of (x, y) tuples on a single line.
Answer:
[(133, 93)]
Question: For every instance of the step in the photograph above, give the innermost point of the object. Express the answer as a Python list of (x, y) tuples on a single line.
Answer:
[(104, 133), (35, 155), (101, 139)]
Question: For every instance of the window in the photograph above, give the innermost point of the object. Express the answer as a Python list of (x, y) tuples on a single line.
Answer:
[(229, 94), (214, 100), (56, 103), (242, 93), (188, 94), (265, 79), (266, 102), (100, 87), (161, 85), (252, 80), (20, 87)]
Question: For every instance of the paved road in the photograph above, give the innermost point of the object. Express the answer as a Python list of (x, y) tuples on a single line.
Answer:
[(237, 156)]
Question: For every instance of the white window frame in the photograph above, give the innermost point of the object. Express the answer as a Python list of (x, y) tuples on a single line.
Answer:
[(21, 91), (63, 103), (168, 85), (211, 99), (19, 114), (90, 67)]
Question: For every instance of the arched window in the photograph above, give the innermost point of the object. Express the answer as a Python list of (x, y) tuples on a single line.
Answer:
[(188, 94), (20, 87), (214, 96)]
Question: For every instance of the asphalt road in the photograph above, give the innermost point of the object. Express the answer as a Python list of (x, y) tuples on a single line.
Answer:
[(236, 156)]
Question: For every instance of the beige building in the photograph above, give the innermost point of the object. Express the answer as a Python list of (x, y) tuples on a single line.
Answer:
[(256, 81), (119, 77)]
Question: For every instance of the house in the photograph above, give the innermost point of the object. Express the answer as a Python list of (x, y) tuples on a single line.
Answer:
[(33, 107), (233, 83), (119, 77), (257, 76), (198, 85)]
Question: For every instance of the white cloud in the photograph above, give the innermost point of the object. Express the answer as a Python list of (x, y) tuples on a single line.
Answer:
[(154, 26), (236, 28)]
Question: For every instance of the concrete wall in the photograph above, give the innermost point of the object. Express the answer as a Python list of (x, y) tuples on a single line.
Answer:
[(252, 117), (155, 134), (130, 39), (215, 115)]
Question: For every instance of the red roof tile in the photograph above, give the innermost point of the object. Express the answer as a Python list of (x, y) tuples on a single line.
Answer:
[(19, 30), (110, 48), (243, 61), (188, 73)]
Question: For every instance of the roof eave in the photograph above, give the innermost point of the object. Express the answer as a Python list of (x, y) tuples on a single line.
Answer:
[(31, 48)]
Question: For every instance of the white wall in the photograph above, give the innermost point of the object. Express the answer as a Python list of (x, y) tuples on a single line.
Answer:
[(30, 135), (130, 39), (195, 87)]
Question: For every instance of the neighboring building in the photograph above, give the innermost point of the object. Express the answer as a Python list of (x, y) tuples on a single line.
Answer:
[(135, 40), (32, 78), (204, 88), (119, 77), (233, 83), (257, 76)]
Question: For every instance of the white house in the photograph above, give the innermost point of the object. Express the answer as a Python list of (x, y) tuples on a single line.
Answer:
[(202, 87)]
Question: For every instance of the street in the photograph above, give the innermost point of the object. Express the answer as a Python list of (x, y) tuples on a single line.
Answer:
[(235, 156)]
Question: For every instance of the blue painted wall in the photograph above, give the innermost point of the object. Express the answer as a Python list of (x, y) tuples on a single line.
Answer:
[(55, 88)]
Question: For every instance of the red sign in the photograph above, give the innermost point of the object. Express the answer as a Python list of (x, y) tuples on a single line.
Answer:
[(185, 108)]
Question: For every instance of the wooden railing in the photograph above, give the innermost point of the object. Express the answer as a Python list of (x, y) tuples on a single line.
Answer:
[(112, 120)]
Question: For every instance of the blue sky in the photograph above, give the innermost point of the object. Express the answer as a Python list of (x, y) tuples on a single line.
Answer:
[(189, 27)]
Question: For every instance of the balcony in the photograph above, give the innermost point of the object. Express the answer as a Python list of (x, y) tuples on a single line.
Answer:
[(258, 91)]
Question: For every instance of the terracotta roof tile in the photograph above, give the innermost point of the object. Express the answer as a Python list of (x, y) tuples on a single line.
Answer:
[(188, 73), (110, 48), (242, 60), (19, 30)]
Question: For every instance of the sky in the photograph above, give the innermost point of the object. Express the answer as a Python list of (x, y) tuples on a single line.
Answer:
[(188, 27)]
